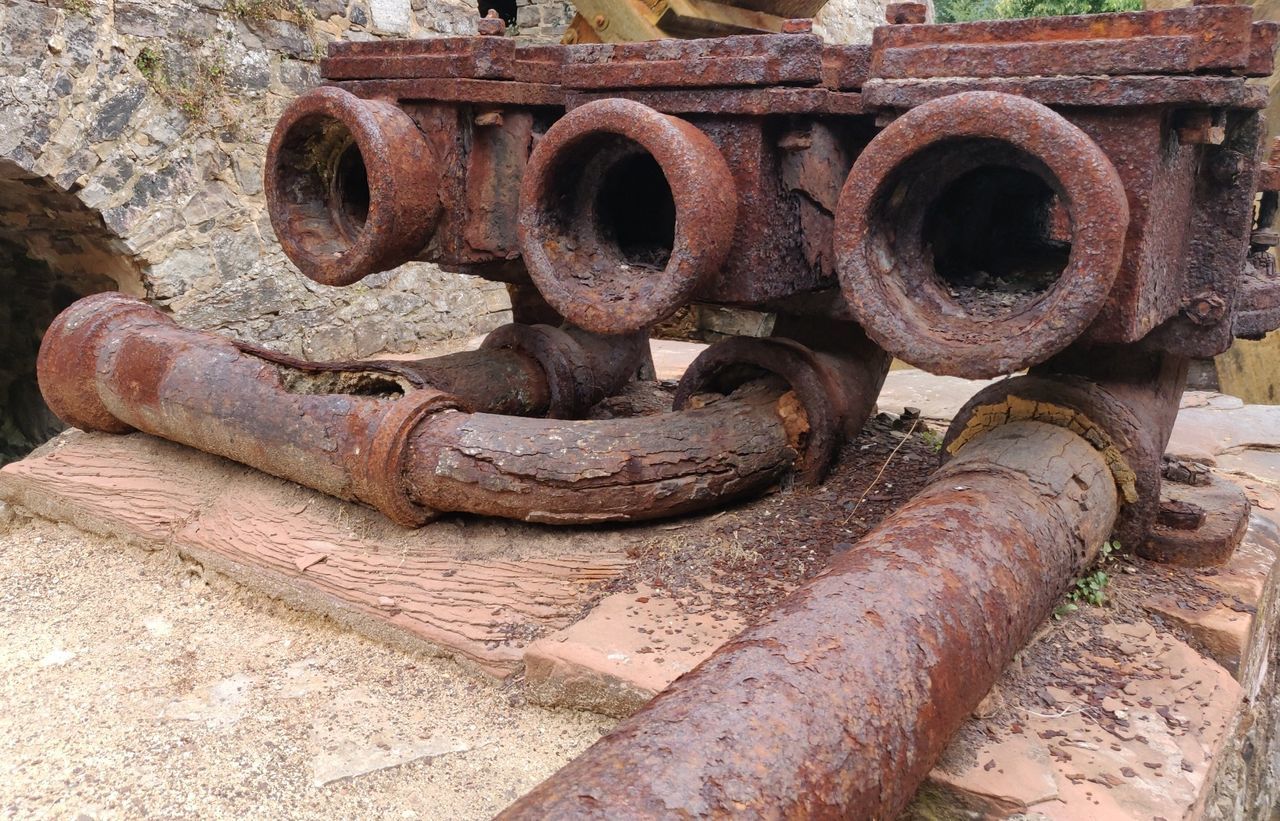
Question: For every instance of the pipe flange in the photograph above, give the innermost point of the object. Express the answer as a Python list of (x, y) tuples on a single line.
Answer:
[(67, 366), (816, 383), (570, 381), (890, 226), (379, 474), (351, 186), (604, 271), (1102, 418)]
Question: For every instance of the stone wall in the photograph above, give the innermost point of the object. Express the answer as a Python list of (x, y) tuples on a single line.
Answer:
[(136, 130)]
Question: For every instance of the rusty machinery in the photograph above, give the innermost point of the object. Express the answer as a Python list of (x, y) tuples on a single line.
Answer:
[(1085, 199)]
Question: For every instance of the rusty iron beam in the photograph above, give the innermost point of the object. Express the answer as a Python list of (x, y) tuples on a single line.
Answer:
[(838, 702)]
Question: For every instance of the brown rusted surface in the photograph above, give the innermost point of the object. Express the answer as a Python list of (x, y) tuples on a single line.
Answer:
[(599, 261), (477, 58), (350, 186), (781, 59), (1197, 526), (1069, 91), (1175, 41), (757, 102), (491, 381), (602, 471), (889, 253), (1074, 195), (1123, 400), (578, 368), (410, 452), (837, 390), (837, 703)]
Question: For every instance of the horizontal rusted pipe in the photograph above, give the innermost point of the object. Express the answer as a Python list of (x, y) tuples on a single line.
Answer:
[(520, 370), (838, 702), (114, 364)]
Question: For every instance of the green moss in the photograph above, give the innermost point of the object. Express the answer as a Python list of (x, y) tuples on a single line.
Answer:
[(193, 87), (259, 11)]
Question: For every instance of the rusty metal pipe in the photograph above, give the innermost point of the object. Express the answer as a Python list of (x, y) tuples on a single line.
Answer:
[(493, 380), (115, 364), (837, 703), (351, 186), (624, 212), (520, 370)]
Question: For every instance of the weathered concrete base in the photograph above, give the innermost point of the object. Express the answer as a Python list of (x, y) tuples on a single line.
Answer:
[(477, 590)]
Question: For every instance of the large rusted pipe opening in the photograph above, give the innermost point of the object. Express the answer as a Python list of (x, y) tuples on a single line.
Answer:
[(979, 234), (624, 212), (351, 186), (998, 237), (115, 364)]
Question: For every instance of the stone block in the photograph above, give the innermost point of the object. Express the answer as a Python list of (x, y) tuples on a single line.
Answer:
[(628, 649)]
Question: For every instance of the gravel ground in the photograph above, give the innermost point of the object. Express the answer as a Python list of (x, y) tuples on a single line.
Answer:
[(136, 685)]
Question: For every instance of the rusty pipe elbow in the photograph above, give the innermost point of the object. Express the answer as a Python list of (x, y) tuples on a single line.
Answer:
[(351, 186), (979, 234), (624, 212)]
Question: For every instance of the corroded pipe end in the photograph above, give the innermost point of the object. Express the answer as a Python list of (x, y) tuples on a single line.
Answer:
[(67, 366), (733, 362), (624, 212), (351, 186), (979, 234)]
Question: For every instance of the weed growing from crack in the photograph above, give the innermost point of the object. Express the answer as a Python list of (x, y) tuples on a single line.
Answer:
[(1091, 588)]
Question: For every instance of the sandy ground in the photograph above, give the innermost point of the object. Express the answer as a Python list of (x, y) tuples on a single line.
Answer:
[(133, 685)]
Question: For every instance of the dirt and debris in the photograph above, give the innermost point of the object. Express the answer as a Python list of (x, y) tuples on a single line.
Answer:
[(746, 558)]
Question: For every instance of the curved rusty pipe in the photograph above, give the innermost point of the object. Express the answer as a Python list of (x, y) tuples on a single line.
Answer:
[(111, 363), (838, 702), (624, 212)]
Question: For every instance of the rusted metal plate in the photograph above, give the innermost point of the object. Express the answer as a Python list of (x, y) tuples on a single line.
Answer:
[(1200, 38), (753, 102), (1262, 48), (769, 59), (846, 67), (483, 58), (496, 92), (1077, 91)]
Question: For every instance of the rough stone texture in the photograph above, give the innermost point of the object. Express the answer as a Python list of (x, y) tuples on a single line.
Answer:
[(852, 21), (132, 145), (625, 652), (476, 591), (542, 20)]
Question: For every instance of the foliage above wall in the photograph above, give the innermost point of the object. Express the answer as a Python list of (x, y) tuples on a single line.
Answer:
[(959, 11)]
